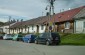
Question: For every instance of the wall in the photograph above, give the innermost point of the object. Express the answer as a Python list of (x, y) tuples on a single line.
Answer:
[(34, 29), (79, 26), (40, 30), (61, 27), (30, 29), (5, 29)]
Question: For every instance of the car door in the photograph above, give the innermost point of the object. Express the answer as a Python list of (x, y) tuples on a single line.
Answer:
[(15, 36), (42, 38)]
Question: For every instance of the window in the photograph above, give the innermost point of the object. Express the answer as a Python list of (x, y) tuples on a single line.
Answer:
[(32, 27), (42, 27), (84, 24), (67, 25)]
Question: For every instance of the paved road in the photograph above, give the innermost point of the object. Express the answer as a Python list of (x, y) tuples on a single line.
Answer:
[(8, 47)]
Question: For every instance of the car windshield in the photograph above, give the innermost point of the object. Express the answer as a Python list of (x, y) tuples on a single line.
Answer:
[(9, 35), (40, 35), (55, 35)]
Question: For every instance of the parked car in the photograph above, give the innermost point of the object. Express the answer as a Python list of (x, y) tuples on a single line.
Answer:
[(48, 38), (17, 37), (30, 38), (8, 37)]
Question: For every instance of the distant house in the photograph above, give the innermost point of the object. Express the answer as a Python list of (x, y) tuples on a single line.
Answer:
[(64, 22), (5, 28), (1, 24)]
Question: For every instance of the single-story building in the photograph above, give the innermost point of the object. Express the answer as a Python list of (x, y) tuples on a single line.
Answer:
[(64, 22), (5, 27)]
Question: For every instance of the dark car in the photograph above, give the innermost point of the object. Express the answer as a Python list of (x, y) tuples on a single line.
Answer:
[(30, 38), (48, 38)]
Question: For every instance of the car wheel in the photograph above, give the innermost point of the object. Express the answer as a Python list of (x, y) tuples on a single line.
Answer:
[(57, 43), (47, 43), (36, 42), (29, 41)]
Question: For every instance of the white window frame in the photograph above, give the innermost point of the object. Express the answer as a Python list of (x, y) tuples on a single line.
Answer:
[(67, 25)]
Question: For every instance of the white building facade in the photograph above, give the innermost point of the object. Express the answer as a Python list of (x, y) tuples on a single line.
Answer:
[(29, 29)]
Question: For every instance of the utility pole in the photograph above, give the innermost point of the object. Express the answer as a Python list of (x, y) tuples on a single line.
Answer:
[(51, 10)]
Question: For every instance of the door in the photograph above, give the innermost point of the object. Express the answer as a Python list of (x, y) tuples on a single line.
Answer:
[(42, 38), (37, 29)]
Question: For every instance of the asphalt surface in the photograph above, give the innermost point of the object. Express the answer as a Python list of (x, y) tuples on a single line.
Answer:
[(8, 47)]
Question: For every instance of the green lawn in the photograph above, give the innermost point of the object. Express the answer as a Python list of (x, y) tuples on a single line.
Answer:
[(73, 39)]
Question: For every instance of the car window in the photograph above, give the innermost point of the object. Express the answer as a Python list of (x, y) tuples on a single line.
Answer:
[(34, 35), (19, 35)]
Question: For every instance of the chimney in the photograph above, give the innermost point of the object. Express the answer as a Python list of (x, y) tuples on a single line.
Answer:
[(69, 8)]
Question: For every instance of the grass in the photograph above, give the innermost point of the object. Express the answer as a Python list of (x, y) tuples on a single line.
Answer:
[(73, 39)]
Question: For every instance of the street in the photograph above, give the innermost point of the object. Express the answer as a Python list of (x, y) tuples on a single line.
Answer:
[(9, 47)]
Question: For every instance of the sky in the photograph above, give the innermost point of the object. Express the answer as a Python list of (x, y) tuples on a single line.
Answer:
[(30, 9)]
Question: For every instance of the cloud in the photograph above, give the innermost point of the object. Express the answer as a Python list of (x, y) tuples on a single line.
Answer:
[(34, 8), (10, 12), (3, 19)]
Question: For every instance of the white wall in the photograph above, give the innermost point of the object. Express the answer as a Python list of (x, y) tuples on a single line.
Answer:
[(79, 26), (30, 29), (5, 29), (34, 29), (40, 30)]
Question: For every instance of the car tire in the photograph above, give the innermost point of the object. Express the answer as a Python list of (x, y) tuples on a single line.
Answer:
[(57, 43), (47, 43), (36, 42), (29, 41)]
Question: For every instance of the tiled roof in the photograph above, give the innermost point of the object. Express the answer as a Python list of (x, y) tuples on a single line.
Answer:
[(36, 21), (67, 15), (80, 14)]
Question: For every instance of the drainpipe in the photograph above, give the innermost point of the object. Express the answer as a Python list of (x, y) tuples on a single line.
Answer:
[(74, 26)]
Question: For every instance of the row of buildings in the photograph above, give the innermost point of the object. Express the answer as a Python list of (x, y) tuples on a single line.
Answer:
[(70, 21)]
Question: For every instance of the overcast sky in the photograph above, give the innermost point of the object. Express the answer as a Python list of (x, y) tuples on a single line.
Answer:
[(29, 9)]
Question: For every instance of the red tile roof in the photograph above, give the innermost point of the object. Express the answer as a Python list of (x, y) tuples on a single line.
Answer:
[(67, 15)]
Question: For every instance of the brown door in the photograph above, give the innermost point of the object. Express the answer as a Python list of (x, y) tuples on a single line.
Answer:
[(37, 29)]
